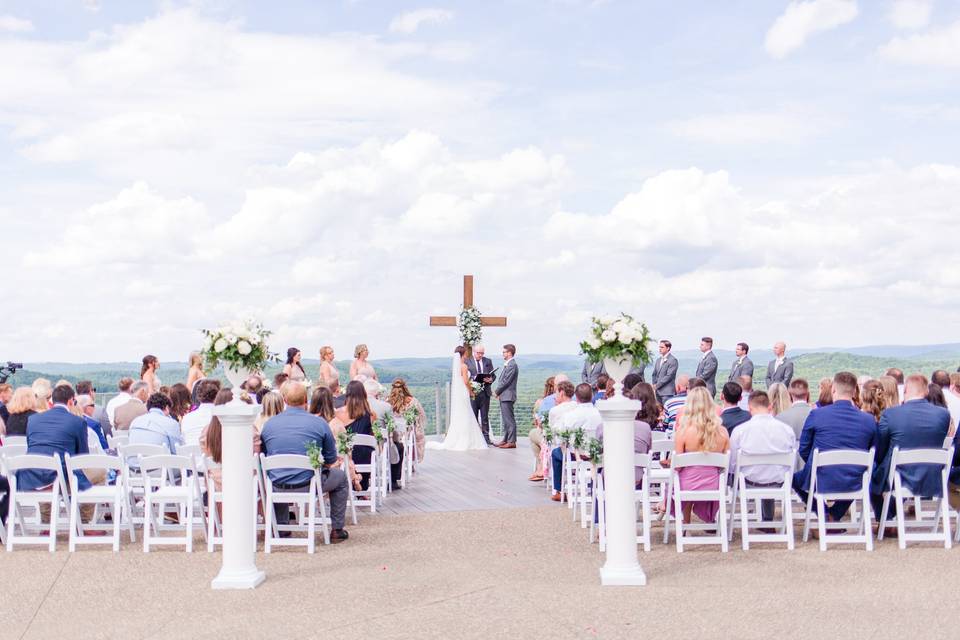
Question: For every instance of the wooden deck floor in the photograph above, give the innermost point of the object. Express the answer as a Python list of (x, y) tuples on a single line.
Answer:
[(470, 480)]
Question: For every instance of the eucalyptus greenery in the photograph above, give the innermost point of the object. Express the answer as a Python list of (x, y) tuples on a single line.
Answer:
[(315, 453), (595, 451), (344, 443)]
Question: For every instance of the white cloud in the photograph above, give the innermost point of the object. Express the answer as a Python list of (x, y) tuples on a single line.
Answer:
[(910, 14), (410, 21), (803, 19), (935, 48), (758, 127), (14, 24)]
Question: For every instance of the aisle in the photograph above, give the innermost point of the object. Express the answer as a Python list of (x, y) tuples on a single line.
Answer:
[(471, 480)]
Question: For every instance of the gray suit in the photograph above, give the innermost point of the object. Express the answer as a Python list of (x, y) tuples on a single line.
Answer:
[(507, 393), (783, 373), (591, 371), (664, 377), (795, 417), (707, 371), (738, 369)]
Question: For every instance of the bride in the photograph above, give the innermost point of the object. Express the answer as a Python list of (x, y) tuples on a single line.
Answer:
[(464, 432)]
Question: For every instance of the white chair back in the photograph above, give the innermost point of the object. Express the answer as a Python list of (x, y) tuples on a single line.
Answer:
[(743, 494), (9, 440), (721, 461), (931, 529), (113, 496), (53, 496), (13, 450), (169, 479), (860, 518), (309, 499)]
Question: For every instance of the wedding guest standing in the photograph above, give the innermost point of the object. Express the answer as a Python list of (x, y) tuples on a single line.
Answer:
[(780, 368), (360, 366), (293, 369), (707, 367), (328, 371), (591, 370), (506, 393), (743, 365), (664, 376), (148, 374), (195, 370), (22, 405)]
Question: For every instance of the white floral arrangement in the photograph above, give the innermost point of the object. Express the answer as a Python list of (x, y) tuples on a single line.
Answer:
[(476, 386), (470, 326), (237, 345), (616, 337)]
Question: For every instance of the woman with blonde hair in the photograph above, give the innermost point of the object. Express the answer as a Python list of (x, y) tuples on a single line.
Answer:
[(891, 395), (360, 366), (872, 399), (328, 371), (148, 373), (401, 401), (195, 370), (22, 405), (779, 398), (42, 390), (271, 405), (701, 431)]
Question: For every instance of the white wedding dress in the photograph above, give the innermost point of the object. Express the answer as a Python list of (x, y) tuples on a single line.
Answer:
[(464, 431)]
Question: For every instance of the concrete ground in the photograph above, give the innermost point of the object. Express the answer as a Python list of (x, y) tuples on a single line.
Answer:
[(482, 574)]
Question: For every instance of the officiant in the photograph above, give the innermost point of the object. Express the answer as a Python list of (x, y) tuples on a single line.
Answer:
[(479, 365)]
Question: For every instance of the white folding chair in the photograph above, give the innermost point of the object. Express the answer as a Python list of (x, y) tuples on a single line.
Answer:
[(936, 529), (11, 440), (168, 479), (54, 496), (860, 519), (13, 450), (583, 498), (409, 456), (118, 440), (308, 503), (133, 482), (743, 494), (720, 461), (112, 496), (660, 479), (368, 497), (642, 498), (568, 472), (385, 477)]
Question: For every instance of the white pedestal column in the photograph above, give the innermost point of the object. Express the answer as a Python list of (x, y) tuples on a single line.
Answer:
[(622, 567), (239, 569)]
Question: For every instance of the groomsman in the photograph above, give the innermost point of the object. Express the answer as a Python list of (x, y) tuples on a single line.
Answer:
[(591, 370), (743, 365), (665, 373), (780, 368), (478, 364), (707, 368), (506, 393)]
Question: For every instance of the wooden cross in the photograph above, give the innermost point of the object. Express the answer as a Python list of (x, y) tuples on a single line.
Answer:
[(451, 321)]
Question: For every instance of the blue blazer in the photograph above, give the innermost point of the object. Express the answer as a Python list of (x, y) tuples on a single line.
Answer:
[(54, 431), (916, 424), (837, 426)]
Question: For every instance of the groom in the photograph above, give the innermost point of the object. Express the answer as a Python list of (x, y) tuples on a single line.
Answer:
[(478, 364), (506, 393)]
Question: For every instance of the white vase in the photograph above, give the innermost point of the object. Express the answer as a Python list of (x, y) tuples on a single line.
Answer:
[(617, 369), (236, 377)]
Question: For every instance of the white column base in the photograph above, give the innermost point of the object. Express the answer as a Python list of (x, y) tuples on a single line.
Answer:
[(249, 579), (619, 577)]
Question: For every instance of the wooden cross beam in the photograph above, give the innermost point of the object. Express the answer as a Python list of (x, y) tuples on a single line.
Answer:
[(451, 321)]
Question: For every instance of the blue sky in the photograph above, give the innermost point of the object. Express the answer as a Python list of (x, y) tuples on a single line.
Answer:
[(353, 158)]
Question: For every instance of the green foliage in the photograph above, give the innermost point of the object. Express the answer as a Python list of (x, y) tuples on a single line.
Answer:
[(344, 443), (595, 451), (315, 453), (577, 438)]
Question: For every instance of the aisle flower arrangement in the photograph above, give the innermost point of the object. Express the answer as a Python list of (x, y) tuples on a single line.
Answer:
[(615, 338), (238, 346)]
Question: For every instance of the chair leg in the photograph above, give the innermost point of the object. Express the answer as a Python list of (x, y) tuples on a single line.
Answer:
[(884, 512), (72, 544), (722, 523), (945, 516), (54, 516), (822, 523), (867, 518), (189, 531), (116, 513), (744, 524)]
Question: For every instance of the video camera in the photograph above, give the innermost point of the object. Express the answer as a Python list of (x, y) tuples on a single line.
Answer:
[(8, 370)]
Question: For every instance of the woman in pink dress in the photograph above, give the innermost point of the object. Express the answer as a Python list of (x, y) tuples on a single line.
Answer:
[(701, 430)]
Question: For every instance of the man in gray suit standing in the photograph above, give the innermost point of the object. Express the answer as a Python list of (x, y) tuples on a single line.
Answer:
[(707, 368), (665, 373), (506, 393), (743, 365), (780, 368), (591, 371)]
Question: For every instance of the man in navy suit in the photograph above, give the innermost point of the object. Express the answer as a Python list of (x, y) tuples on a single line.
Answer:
[(916, 424), (732, 415), (837, 426), (55, 431)]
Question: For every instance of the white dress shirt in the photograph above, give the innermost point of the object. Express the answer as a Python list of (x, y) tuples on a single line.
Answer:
[(558, 412), (762, 434), (583, 416), (118, 400), (193, 424)]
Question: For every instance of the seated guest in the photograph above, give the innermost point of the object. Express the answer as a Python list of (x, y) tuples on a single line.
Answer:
[(156, 426), (952, 395), (746, 383), (86, 405), (193, 424), (915, 424), (402, 401), (601, 387), (583, 415), (825, 393), (800, 406), (936, 397), (338, 398), (57, 431), (839, 425), (6, 393), (135, 407), (732, 415), (536, 430), (564, 404), (290, 432), (897, 375), (872, 399), (279, 380), (270, 405), (211, 442), (395, 446), (760, 435), (673, 405), (358, 418), (43, 392), (642, 430), (550, 401), (21, 407), (180, 401), (85, 387), (700, 429), (891, 394), (779, 398)]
